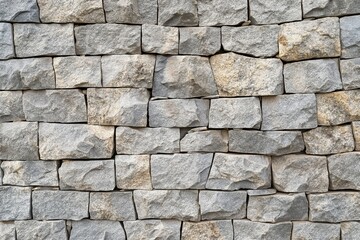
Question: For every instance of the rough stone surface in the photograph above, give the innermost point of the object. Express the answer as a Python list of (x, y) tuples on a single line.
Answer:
[(221, 229), (160, 39), (19, 141), (15, 203), (147, 140), (350, 230), (101, 39), (30, 173), (310, 39), (44, 39), (334, 207), (167, 204), (344, 171), (234, 171), (296, 111), (19, 11), (350, 73), (11, 106), (117, 206), (275, 11), (218, 12), (323, 8), (278, 207), (6, 41), (300, 173), (199, 40), (261, 192), (75, 141), (178, 12), (183, 77), (247, 230), (222, 205), (315, 231), (265, 142), (128, 71), (312, 76), (180, 171), (41, 230), (7, 231), (31, 73), (205, 141), (153, 229), (356, 133), (133, 11), (78, 11), (118, 106), (235, 113), (55, 106), (329, 140), (87, 175), (178, 113), (258, 41), (77, 71), (238, 75), (94, 230), (47, 205)]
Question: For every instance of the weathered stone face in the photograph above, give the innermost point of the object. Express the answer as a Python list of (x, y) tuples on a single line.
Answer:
[(205, 141), (248, 230), (309, 230), (152, 229), (261, 192), (32, 229), (237, 75), (350, 36), (15, 203), (221, 229), (7, 230), (11, 106), (6, 41), (310, 39), (93, 230), (315, 8), (356, 134), (350, 230), (350, 73), (19, 11), (178, 13), (160, 39)]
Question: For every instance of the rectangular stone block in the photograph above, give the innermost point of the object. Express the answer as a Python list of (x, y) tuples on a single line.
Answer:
[(350, 73), (179, 113), (6, 41), (19, 141), (15, 203), (30, 173), (71, 205), (248, 230), (55, 106), (7, 231), (167, 204), (205, 141), (19, 11), (30, 73), (316, 231), (152, 229), (220, 229), (160, 39), (178, 13), (11, 106), (104, 39), (350, 230), (44, 39), (75, 141), (147, 140), (77, 71), (324, 8), (96, 175), (32, 229), (96, 229), (118, 106)]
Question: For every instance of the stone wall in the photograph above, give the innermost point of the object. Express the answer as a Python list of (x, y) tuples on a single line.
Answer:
[(179, 119)]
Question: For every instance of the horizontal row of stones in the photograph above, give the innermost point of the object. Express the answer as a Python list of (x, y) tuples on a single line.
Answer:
[(291, 41), (176, 230), (22, 203)]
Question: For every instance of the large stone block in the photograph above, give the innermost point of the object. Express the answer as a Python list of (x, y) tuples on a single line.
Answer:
[(221, 229), (286, 112), (6, 41), (222, 205), (147, 140), (96, 175), (118, 106), (167, 204), (135, 71), (350, 230), (32, 229), (183, 77), (205, 141), (104, 39), (48, 205), (78, 11), (324, 8), (248, 230), (329, 140), (315, 231), (312, 76), (11, 106), (30, 73), (180, 171), (179, 113), (55, 106), (300, 173), (30, 173), (44, 39), (265, 142), (19, 141), (350, 73), (77, 71), (160, 39), (235, 171), (95, 230), (238, 75), (19, 11), (178, 13), (152, 229), (15, 203), (75, 141), (7, 231), (258, 41), (310, 39), (235, 113), (278, 207)]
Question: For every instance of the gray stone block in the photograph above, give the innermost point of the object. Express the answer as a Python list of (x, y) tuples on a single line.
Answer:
[(160, 39), (19, 11), (350, 230), (356, 133), (205, 141), (315, 231), (11, 106), (350, 73), (41, 230), (323, 8), (221, 229), (178, 13), (7, 231), (6, 41), (15, 203), (95, 230), (248, 230), (152, 229)]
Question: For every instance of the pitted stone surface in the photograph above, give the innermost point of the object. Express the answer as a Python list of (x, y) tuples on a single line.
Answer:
[(248, 230), (178, 13), (28, 230), (7, 231), (350, 73), (220, 229), (15, 203), (350, 36), (160, 39), (19, 11), (350, 230), (11, 106), (316, 231), (152, 229), (323, 8), (205, 141), (6, 41), (94, 230)]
